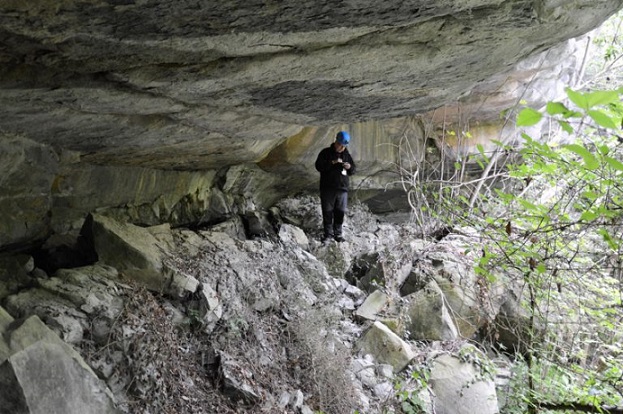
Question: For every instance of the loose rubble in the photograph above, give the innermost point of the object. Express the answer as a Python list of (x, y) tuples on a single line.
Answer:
[(204, 320)]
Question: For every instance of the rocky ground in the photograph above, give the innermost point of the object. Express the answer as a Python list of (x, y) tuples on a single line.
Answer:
[(257, 316)]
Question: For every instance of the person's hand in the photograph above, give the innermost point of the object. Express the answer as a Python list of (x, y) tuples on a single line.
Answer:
[(347, 165)]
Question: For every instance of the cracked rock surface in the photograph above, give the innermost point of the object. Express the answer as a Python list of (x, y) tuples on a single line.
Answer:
[(201, 84), (191, 111)]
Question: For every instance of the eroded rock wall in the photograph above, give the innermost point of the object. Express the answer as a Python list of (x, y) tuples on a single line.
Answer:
[(202, 84), (187, 111)]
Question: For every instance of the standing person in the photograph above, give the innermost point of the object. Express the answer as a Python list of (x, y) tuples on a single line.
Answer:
[(335, 166)]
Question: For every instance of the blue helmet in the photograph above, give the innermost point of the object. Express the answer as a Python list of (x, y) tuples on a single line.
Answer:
[(342, 137)]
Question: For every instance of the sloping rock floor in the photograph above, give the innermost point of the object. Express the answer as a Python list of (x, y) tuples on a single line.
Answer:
[(249, 316)]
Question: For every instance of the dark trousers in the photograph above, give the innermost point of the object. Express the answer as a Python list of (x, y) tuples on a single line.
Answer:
[(334, 204)]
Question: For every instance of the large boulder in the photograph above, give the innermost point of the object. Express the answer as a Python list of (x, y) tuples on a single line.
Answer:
[(5, 320), (443, 281), (15, 273), (461, 387), (336, 257), (137, 254), (427, 315), (27, 170), (42, 374), (513, 328), (386, 347), (43, 379)]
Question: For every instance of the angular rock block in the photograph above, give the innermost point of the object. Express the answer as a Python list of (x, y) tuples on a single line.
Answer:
[(428, 316), (371, 307), (459, 388), (137, 254), (386, 347), (41, 374), (44, 379), (292, 234)]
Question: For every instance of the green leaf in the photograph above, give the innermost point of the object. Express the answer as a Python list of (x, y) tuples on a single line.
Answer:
[(597, 98), (527, 138), (528, 205), (589, 216), (590, 100), (528, 117), (602, 119), (614, 163), (556, 108), (589, 159), (566, 127), (591, 195), (579, 99), (614, 244), (481, 150)]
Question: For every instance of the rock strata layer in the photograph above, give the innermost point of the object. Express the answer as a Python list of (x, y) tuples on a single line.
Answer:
[(202, 84), (144, 106)]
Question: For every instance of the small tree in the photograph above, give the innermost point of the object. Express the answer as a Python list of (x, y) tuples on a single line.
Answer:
[(556, 233), (551, 218), (552, 225)]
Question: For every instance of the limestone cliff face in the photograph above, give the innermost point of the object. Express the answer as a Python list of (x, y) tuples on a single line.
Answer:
[(142, 106)]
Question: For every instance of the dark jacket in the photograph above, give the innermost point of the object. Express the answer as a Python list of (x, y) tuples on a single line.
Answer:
[(331, 177)]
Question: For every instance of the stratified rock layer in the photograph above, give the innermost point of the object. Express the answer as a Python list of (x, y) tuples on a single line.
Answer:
[(201, 84), (98, 97)]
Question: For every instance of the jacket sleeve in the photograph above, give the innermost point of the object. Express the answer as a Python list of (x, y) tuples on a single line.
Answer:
[(323, 162), (352, 168)]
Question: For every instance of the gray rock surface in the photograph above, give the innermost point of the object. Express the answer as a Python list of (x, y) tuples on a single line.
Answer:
[(445, 283), (459, 388), (43, 379), (292, 234), (169, 85), (386, 346), (14, 273), (428, 316), (371, 307), (42, 374), (137, 254), (272, 326), (139, 106)]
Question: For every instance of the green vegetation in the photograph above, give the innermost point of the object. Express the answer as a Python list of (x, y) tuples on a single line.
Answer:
[(549, 210), (552, 227), (560, 235), (410, 396)]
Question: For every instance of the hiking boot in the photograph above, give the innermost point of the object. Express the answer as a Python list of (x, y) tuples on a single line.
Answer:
[(339, 239), (326, 239)]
